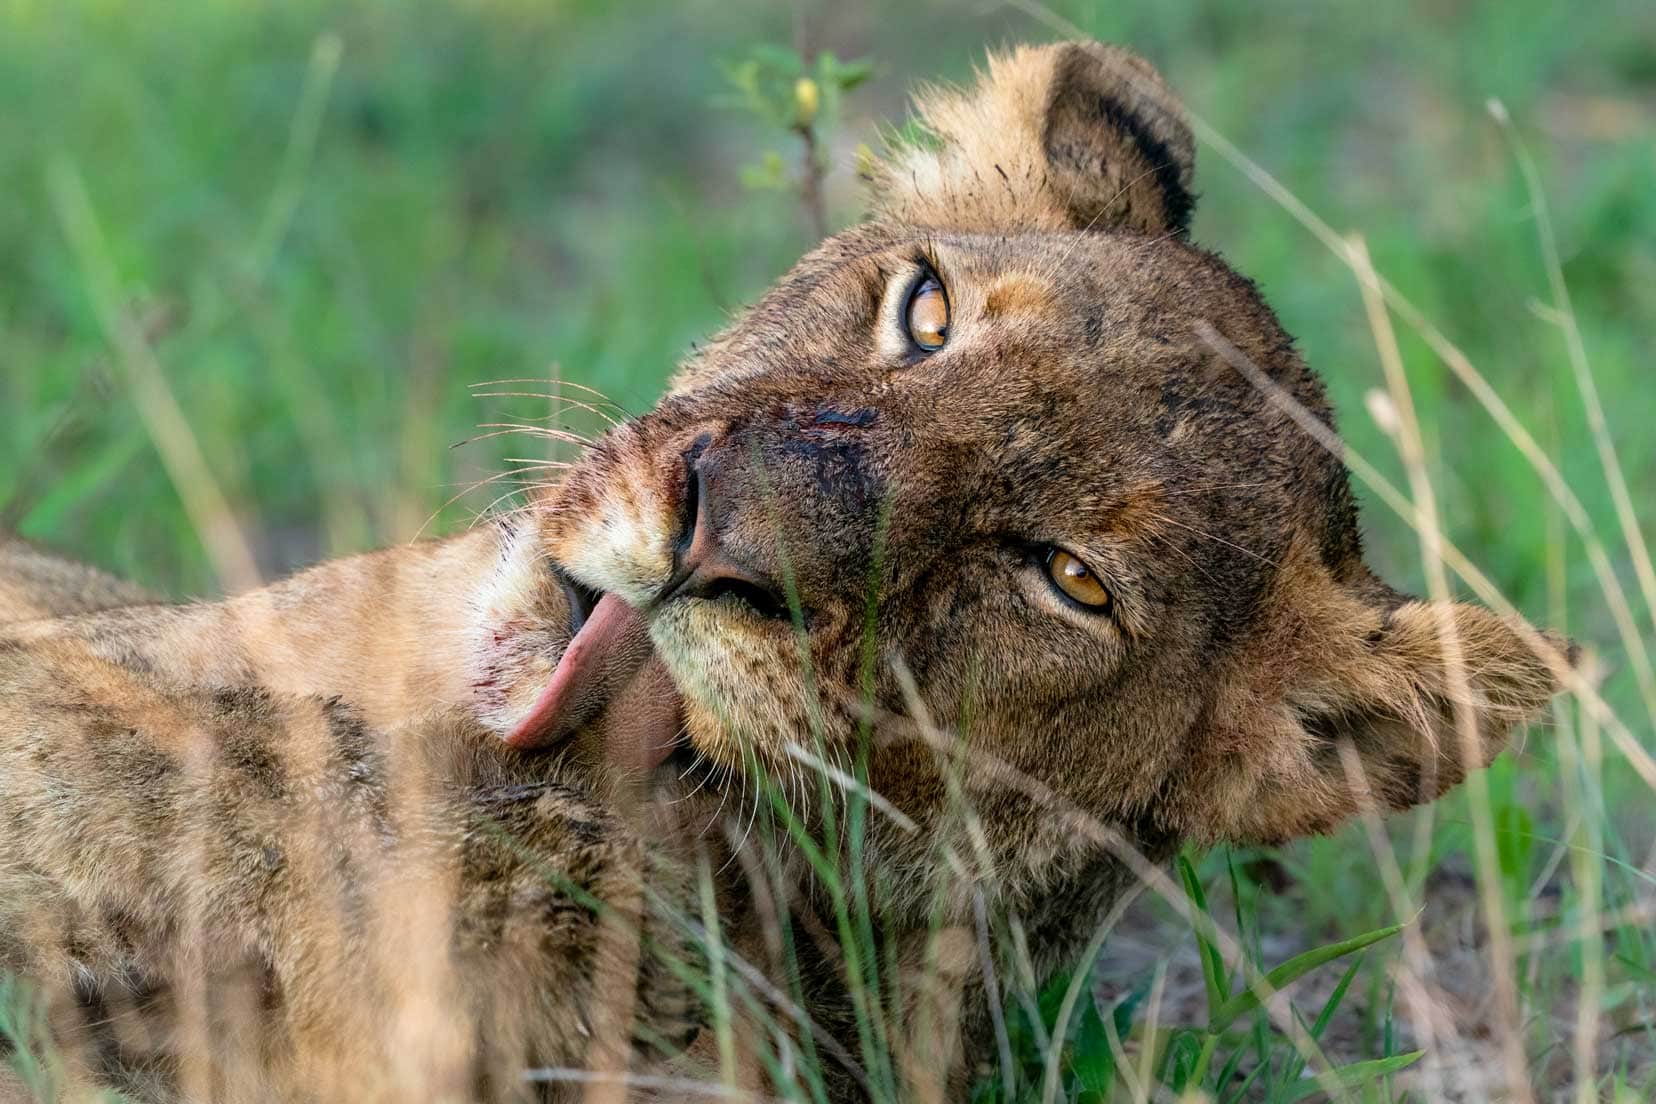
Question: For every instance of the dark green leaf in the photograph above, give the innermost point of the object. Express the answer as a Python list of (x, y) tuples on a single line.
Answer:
[(1294, 969), (1514, 840), (1213, 963), (1354, 1075)]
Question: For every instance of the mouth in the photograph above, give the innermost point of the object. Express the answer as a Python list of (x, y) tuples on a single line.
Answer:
[(609, 676)]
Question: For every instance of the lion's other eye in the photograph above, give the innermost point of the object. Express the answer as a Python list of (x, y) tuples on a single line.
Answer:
[(927, 318), (1076, 580)]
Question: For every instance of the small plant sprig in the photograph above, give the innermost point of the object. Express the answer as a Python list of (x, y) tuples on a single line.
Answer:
[(1190, 1051), (784, 91), (1089, 1041)]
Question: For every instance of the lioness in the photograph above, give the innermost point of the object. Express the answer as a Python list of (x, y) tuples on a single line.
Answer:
[(976, 511)]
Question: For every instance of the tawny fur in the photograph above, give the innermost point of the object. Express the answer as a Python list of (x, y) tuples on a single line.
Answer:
[(36, 584), (237, 871), (902, 501), (1008, 155)]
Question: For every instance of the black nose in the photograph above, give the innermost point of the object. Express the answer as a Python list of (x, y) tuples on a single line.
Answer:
[(705, 566)]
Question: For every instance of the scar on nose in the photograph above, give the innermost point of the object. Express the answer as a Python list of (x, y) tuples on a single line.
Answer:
[(827, 415)]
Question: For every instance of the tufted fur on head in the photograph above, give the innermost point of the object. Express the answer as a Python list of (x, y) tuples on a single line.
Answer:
[(1078, 136)]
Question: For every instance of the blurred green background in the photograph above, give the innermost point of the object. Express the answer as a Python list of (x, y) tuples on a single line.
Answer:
[(330, 220)]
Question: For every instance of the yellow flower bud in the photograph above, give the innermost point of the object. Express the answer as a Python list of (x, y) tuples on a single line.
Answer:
[(807, 98), (866, 161)]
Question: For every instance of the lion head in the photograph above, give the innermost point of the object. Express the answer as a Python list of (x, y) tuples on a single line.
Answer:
[(1002, 494)]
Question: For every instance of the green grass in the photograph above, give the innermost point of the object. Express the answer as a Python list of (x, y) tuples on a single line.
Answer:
[(336, 218)]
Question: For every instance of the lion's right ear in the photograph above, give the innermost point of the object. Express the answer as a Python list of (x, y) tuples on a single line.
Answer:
[(1073, 136), (1363, 708)]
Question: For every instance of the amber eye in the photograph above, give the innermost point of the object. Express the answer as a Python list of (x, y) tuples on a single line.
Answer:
[(1076, 580), (927, 317)]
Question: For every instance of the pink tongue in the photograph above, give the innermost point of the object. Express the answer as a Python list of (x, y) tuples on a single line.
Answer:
[(609, 673)]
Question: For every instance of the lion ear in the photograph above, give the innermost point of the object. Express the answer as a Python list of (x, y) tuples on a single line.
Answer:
[(1370, 714), (1073, 136)]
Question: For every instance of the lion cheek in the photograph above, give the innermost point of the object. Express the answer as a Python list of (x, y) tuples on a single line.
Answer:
[(744, 684)]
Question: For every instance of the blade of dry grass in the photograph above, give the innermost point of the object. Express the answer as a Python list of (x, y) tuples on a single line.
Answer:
[(204, 501), (1564, 313), (325, 56), (1413, 454)]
